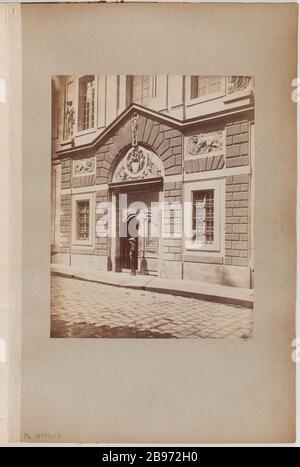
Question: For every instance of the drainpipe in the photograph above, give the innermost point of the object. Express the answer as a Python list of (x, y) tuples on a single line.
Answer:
[(182, 213), (182, 203), (71, 233)]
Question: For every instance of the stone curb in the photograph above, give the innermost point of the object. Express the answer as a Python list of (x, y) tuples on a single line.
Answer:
[(180, 293)]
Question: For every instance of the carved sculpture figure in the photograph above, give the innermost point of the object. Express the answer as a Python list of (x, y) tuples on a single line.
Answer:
[(134, 129), (69, 120)]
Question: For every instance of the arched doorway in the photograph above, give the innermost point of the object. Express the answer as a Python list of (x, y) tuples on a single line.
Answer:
[(137, 187)]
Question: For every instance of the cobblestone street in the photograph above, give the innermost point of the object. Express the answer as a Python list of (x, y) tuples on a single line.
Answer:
[(88, 309)]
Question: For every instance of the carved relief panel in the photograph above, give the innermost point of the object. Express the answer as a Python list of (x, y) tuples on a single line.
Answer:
[(238, 84), (205, 144), (85, 166)]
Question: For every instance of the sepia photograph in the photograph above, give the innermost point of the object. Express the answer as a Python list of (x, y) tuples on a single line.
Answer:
[(152, 221), (149, 214)]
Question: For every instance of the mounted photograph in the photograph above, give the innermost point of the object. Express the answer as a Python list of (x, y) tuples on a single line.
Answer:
[(152, 206)]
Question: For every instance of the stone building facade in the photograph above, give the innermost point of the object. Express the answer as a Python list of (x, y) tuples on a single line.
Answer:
[(178, 151)]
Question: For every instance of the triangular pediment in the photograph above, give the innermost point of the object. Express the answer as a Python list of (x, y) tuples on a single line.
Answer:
[(139, 145), (124, 118), (143, 113), (157, 135)]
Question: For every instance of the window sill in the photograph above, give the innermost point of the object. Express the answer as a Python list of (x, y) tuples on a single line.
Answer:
[(82, 244), (204, 249), (85, 132), (86, 250), (203, 259), (237, 96), (66, 142), (200, 100)]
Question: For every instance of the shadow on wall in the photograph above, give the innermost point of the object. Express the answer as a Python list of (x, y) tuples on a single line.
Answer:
[(237, 279)]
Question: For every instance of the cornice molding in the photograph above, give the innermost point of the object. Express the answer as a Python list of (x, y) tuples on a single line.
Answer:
[(163, 118)]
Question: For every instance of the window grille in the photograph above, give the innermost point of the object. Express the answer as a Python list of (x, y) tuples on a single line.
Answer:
[(203, 217), (83, 220)]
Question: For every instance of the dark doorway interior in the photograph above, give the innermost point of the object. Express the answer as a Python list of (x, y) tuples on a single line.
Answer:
[(125, 249)]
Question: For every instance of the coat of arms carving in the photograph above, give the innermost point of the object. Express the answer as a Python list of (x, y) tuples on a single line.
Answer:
[(138, 164), (69, 120), (136, 161)]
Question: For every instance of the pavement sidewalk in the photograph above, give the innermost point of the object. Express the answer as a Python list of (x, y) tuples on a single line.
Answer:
[(199, 290)]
